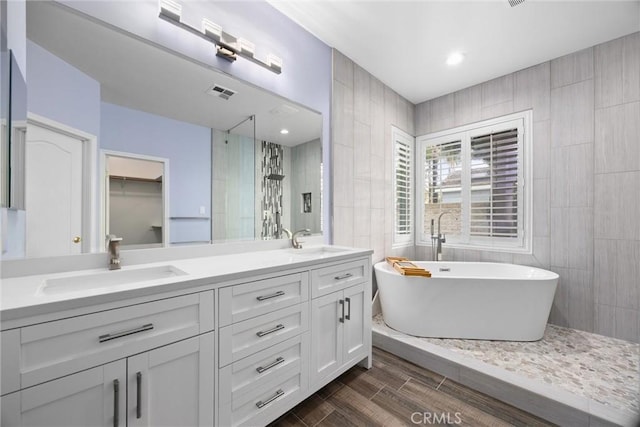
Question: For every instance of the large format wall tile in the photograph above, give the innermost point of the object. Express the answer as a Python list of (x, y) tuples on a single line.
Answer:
[(617, 206), (533, 91), (467, 105), (617, 138), (541, 149), (572, 176), (362, 150), (342, 69), (441, 115), (497, 91), (343, 176), (361, 95), (572, 68), (342, 115), (617, 67), (572, 114)]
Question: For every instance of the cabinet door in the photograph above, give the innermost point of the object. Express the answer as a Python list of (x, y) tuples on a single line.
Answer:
[(172, 385), (326, 335), (356, 338), (88, 398)]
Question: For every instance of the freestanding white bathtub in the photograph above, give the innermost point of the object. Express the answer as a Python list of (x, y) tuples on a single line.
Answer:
[(473, 300)]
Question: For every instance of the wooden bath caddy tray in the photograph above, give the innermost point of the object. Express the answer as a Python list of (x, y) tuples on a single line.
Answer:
[(407, 268)]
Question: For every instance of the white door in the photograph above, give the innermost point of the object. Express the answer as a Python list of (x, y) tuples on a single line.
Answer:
[(356, 337), (53, 193), (172, 385), (89, 398), (326, 335)]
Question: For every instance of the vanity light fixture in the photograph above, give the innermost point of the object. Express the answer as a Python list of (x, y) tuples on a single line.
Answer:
[(227, 46), (455, 58)]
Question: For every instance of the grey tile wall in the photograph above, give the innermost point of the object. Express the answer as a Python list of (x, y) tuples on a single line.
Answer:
[(364, 110)]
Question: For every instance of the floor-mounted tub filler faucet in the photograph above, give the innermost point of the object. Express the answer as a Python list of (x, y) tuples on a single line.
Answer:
[(113, 247), (293, 237), (437, 239)]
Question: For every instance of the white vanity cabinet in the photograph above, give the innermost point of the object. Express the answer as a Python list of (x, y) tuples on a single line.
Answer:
[(341, 319), (141, 365), (264, 348)]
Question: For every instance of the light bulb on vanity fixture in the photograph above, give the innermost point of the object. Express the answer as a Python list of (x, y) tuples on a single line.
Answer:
[(211, 30), (171, 9), (246, 47)]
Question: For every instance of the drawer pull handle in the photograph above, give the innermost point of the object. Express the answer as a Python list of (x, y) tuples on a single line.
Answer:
[(344, 276), (116, 403), (264, 297), (348, 316), (270, 331), (278, 361), (113, 336), (278, 394), (139, 395), (341, 319)]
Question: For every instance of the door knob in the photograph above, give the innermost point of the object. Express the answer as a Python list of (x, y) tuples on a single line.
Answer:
[(76, 239)]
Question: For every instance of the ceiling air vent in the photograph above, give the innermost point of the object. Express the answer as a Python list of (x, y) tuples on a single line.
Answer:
[(222, 92), (515, 2)]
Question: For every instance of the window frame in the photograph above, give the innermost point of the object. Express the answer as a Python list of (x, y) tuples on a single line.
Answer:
[(523, 121), (403, 240)]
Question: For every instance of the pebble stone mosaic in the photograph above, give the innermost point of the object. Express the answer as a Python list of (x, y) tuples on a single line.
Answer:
[(600, 368)]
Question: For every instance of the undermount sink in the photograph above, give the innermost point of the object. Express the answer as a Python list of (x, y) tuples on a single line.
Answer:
[(317, 251), (105, 279)]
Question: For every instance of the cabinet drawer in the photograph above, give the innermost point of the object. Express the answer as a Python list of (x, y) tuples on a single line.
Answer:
[(245, 338), (264, 404), (242, 302), (263, 367), (339, 276), (58, 348)]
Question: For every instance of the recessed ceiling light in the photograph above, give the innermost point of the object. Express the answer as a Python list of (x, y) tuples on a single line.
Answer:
[(284, 131), (455, 58)]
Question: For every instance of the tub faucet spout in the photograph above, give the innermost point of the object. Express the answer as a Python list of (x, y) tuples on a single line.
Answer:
[(438, 239)]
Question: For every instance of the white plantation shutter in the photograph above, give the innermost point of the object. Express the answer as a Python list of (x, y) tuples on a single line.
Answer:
[(477, 173), (403, 186), (496, 176)]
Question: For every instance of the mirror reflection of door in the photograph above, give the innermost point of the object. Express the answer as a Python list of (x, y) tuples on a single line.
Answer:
[(135, 202), (53, 192)]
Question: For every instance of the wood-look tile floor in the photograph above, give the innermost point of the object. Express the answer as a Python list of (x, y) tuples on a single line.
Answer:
[(395, 392)]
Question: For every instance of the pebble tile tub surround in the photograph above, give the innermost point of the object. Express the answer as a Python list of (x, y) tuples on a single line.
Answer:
[(600, 368)]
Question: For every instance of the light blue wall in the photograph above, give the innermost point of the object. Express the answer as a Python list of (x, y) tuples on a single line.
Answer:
[(307, 64), (188, 148), (61, 92)]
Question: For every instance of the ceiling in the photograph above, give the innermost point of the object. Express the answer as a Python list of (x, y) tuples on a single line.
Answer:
[(137, 75), (405, 43)]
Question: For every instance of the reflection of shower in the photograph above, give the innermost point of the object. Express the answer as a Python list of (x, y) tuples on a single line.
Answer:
[(272, 179)]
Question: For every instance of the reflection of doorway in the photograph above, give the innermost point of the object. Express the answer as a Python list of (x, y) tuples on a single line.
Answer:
[(57, 189), (136, 199)]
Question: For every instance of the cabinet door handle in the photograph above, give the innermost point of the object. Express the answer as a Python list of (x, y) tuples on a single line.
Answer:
[(139, 395), (341, 319), (270, 331), (348, 316), (278, 361), (344, 276), (116, 403), (278, 394), (264, 297), (114, 335)]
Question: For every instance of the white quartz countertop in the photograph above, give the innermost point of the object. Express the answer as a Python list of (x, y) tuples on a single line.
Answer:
[(26, 296)]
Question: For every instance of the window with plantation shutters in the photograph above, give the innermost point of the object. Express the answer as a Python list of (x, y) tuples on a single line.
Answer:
[(475, 176), (403, 187)]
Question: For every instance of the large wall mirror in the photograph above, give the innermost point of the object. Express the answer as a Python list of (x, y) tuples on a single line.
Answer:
[(220, 166)]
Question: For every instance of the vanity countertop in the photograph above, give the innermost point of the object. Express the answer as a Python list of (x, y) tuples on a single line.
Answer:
[(27, 296)]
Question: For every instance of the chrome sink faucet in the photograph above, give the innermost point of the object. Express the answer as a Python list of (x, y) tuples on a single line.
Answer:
[(113, 247), (438, 239), (294, 237)]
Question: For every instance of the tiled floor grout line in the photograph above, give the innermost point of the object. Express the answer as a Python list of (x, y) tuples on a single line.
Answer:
[(300, 419), (441, 382), (376, 393)]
